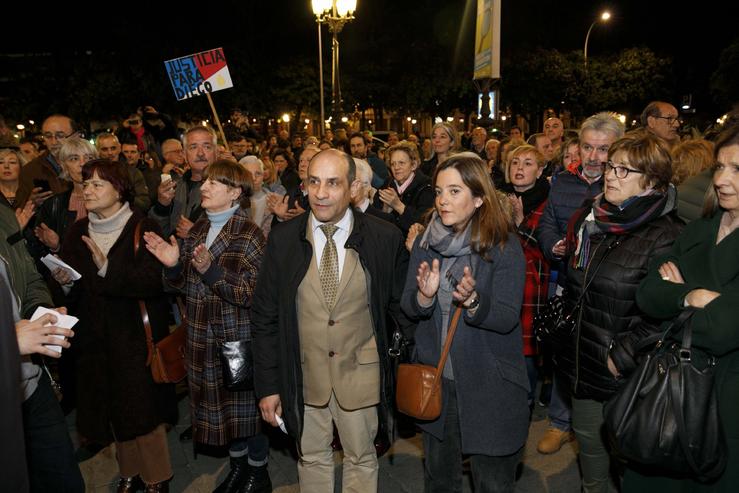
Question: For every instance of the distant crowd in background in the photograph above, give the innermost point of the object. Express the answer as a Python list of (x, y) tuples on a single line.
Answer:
[(329, 259)]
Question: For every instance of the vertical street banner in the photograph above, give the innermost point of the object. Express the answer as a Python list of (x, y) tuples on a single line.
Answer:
[(198, 74), (487, 40)]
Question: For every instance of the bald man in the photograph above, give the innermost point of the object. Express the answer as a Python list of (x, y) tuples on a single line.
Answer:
[(554, 129), (663, 120)]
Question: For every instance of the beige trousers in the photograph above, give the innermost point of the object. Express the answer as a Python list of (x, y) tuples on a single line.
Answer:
[(146, 456), (357, 430)]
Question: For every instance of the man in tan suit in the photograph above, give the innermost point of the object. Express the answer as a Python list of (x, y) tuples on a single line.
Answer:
[(320, 345)]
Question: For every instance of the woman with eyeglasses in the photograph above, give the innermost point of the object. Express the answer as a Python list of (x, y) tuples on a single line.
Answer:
[(610, 242)]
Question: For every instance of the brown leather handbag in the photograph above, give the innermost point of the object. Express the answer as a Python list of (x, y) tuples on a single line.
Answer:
[(166, 358), (418, 390)]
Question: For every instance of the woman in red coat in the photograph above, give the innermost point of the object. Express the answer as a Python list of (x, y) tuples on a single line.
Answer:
[(528, 193)]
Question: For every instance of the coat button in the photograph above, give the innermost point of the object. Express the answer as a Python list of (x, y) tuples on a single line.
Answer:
[(331, 354), (331, 323)]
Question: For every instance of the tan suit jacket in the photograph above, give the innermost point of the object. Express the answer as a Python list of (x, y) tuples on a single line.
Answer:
[(338, 347)]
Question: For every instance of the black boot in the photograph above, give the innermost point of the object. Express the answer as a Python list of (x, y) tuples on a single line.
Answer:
[(236, 477), (258, 481)]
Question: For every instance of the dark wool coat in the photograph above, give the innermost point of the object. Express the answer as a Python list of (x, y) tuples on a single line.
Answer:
[(218, 309), (117, 398), (703, 264), (277, 343), (418, 198), (486, 353)]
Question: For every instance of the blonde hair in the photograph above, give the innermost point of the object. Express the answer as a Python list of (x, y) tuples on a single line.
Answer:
[(518, 151)]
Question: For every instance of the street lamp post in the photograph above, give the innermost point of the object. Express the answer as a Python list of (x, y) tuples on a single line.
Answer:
[(335, 13), (603, 18)]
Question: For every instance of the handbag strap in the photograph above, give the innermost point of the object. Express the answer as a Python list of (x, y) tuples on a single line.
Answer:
[(142, 305), (447, 346), (677, 389)]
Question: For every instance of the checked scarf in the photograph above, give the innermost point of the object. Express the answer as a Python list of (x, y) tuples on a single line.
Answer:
[(605, 217)]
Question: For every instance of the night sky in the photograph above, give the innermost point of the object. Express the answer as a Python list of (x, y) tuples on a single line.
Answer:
[(283, 29)]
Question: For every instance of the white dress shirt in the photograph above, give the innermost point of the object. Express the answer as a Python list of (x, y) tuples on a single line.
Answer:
[(344, 227)]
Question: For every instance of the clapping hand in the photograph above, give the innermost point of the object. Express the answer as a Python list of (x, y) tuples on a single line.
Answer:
[(428, 279), (183, 227), (413, 232), (47, 236), (466, 287), (517, 208), (167, 253), (97, 254), (201, 259), (390, 197), (25, 214)]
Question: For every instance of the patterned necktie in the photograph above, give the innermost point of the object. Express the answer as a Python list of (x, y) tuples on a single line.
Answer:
[(329, 268)]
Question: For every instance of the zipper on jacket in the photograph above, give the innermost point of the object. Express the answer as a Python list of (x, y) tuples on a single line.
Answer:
[(579, 318)]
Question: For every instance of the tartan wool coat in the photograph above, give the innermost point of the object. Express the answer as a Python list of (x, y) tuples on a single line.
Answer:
[(537, 278), (218, 309)]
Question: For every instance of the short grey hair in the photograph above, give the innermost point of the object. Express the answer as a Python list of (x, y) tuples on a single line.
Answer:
[(200, 128), (250, 160), (364, 172), (604, 122), (71, 146)]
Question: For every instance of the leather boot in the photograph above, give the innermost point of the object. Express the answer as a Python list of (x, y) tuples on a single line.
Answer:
[(236, 477), (258, 481), (129, 485)]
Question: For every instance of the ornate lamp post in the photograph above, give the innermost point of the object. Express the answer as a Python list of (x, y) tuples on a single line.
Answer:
[(603, 18), (335, 13)]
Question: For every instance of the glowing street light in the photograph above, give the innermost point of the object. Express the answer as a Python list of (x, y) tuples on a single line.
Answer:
[(335, 13), (603, 18)]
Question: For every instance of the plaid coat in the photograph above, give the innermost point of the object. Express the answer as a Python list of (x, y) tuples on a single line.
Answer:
[(537, 278), (218, 309)]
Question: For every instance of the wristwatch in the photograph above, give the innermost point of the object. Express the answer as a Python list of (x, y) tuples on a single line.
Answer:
[(475, 302)]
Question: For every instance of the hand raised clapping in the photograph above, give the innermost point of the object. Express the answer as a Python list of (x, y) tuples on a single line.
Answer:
[(167, 253)]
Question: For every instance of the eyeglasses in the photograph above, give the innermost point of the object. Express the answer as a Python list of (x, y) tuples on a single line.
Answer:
[(56, 135), (671, 119), (621, 171)]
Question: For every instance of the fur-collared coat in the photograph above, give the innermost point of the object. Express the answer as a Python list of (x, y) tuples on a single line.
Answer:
[(218, 309)]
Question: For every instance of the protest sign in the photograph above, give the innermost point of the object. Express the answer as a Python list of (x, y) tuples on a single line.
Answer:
[(198, 74)]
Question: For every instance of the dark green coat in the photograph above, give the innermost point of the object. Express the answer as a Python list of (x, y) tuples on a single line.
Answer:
[(703, 264)]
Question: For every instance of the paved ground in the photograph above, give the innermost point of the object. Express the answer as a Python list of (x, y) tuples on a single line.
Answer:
[(401, 469)]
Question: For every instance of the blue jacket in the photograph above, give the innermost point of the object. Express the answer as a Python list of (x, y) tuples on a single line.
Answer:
[(569, 190)]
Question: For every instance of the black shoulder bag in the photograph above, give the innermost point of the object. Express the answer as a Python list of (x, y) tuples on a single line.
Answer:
[(551, 324), (666, 414)]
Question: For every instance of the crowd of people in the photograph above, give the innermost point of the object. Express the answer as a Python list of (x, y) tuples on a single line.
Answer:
[(318, 257)]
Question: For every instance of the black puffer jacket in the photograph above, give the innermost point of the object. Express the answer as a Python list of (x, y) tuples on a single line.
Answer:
[(610, 318)]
